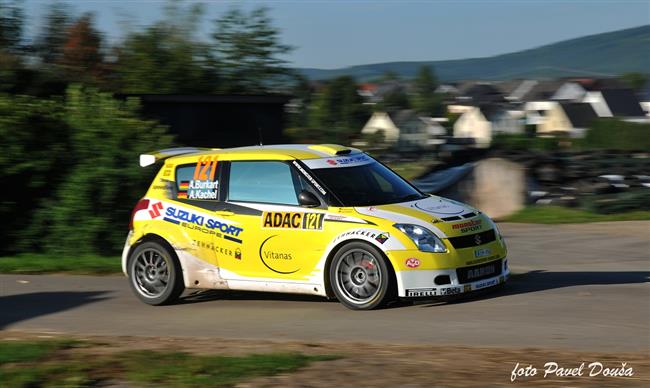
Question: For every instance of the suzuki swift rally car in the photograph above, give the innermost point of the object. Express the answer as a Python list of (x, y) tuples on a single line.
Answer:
[(313, 219)]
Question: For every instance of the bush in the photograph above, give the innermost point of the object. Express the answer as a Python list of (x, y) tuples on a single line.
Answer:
[(34, 161), (620, 202), (521, 142), (616, 134), (71, 171)]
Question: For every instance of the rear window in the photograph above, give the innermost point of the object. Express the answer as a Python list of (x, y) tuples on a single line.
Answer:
[(198, 181)]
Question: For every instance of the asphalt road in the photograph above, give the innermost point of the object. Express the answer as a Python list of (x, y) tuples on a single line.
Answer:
[(580, 287)]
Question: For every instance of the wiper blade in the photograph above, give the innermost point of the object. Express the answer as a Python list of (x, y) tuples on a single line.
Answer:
[(410, 197)]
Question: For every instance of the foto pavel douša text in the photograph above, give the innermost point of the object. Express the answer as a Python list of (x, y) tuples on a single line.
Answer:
[(553, 369)]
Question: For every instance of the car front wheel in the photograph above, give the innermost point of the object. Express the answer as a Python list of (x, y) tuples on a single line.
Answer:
[(154, 274), (360, 276)]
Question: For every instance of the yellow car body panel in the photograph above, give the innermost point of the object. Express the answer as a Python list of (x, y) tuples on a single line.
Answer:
[(224, 244)]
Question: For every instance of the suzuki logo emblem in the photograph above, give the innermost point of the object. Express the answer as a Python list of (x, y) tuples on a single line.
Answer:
[(477, 239), (155, 209)]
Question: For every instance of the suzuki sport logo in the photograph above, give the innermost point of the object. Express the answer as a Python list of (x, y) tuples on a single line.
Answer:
[(412, 262)]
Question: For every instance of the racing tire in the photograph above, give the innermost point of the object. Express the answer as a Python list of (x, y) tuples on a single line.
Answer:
[(155, 275), (360, 277)]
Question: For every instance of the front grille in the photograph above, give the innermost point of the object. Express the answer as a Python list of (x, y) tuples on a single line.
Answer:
[(473, 240), (479, 272)]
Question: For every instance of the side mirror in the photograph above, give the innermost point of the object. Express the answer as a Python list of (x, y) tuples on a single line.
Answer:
[(308, 199)]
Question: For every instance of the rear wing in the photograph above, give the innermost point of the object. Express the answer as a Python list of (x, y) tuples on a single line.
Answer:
[(155, 156)]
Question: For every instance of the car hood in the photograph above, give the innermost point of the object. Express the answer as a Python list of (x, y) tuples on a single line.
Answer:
[(443, 216)]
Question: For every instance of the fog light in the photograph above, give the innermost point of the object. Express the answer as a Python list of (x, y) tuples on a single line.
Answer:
[(442, 280)]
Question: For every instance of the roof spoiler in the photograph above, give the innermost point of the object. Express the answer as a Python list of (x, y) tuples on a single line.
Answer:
[(154, 156)]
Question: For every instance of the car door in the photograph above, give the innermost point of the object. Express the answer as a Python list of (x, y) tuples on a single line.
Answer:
[(280, 239), (194, 197)]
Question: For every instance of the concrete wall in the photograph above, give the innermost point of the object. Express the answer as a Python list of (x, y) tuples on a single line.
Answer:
[(496, 186)]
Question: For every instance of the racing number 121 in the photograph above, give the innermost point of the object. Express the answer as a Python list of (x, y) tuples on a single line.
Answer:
[(205, 164)]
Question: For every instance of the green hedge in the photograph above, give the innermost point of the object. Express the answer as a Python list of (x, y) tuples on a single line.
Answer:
[(616, 134), (637, 200), (70, 171)]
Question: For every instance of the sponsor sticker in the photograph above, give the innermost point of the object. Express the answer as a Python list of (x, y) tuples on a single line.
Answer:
[(200, 189), (469, 226), (347, 161), (219, 250), (482, 252), (420, 292), (360, 232), (292, 220), (343, 161), (193, 221), (486, 283), (309, 177), (449, 291), (278, 256), (481, 271), (412, 262), (382, 237)]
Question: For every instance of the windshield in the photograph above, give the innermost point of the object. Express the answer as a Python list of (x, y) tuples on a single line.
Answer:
[(366, 185)]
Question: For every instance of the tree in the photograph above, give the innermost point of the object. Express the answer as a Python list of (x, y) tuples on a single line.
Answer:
[(339, 109), (33, 161), (91, 207), (425, 100), (166, 57), (11, 26), (393, 93), (635, 80), (51, 40), (394, 100), (299, 111), (248, 48), (71, 170), (82, 56)]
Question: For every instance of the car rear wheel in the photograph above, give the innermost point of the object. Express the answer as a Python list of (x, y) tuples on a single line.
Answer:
[(154, 273), (360, 276)]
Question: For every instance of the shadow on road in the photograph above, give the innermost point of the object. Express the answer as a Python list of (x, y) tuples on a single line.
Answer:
[(212, 295), (533, 281), (540, 280), (16, 308)]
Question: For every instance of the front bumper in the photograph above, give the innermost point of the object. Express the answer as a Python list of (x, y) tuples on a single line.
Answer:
[(421, 283)]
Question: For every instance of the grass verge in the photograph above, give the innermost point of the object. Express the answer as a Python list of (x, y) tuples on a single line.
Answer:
[(562, 215), (40, 263), (46, 363)]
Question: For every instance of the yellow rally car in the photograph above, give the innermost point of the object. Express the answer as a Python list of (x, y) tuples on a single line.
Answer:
[(314, 219)]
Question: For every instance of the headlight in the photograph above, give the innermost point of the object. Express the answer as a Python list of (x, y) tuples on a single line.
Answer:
[(499, 235), (423, 238)]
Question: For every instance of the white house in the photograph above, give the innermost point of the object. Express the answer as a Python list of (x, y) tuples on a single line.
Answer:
[(473, 124), (567, 119), (621, 103), (405, 128), (381, 122)]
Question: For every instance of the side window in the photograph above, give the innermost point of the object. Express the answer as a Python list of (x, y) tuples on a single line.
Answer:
[(198, 181), (267, 182)]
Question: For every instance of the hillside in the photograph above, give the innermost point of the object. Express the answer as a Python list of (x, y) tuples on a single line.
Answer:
[(605, 54)]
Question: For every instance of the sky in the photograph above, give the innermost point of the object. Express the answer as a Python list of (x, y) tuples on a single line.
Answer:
[(333, 34)]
